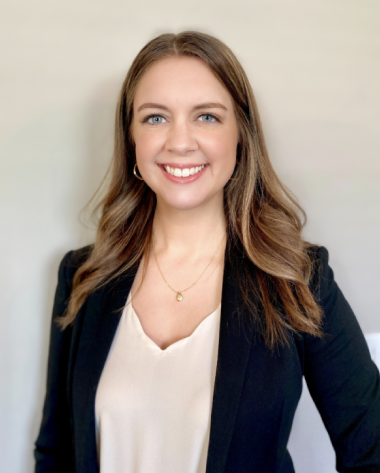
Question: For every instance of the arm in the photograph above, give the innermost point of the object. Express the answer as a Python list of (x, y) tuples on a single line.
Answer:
[(343, 380), (53, 447)]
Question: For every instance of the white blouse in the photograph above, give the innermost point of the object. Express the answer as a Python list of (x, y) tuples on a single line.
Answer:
[(153, 406)]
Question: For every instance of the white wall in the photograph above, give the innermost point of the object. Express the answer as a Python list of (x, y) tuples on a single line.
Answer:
[(315, 69)]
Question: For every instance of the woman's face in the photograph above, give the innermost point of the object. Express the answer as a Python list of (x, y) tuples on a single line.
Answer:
[(185, 132)]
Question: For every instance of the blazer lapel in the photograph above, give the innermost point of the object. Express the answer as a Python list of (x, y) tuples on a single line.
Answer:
[(233, 354), (100, 320), (96, 327)]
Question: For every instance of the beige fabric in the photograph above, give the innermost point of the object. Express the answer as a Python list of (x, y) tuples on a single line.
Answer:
[(153, 406)]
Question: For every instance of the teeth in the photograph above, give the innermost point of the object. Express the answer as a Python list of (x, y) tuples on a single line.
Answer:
[(183, 172)]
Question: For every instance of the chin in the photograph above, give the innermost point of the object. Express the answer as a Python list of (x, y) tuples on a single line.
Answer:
[(183, 203)]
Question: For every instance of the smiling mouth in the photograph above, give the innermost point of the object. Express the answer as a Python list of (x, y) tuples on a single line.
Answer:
[(183, 172)]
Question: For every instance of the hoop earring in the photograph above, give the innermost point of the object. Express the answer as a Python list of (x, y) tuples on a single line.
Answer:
[(135, 173)]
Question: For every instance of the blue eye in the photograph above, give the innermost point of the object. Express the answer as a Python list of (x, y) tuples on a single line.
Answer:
[(208, 118), (154, 119)]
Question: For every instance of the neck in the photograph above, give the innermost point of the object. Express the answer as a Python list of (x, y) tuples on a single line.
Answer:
[(191, 232)]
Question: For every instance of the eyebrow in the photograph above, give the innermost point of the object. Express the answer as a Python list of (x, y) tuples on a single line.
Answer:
[(197, 107)]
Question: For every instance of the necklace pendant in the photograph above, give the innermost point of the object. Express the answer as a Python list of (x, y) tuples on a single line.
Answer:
[(179, 297)]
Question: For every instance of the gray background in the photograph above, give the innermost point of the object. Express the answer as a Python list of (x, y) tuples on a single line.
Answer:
[(314, 67)]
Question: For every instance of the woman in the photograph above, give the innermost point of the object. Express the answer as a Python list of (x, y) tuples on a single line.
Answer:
[(180, 338)]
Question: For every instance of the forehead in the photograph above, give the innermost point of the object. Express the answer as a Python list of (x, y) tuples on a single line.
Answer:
[(181, 80)]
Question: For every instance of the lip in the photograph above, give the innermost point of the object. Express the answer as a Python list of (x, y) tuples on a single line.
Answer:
[(182, 180)]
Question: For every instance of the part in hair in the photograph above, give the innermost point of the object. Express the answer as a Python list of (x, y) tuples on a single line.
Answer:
[(264, 221)]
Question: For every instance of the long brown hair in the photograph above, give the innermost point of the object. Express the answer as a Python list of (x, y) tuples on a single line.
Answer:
[(263, 218)]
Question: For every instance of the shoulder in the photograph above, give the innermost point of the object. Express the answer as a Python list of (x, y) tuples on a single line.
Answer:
[(338, 319), (322, 276), (72, 261)]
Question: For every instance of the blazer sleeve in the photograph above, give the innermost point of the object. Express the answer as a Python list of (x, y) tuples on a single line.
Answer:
[(53, 447), (343, 380)]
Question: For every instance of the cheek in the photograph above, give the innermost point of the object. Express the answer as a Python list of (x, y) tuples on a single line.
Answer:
[(146, 147), (222, 150)]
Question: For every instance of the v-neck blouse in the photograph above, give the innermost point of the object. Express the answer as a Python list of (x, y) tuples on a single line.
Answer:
[(153, 406)]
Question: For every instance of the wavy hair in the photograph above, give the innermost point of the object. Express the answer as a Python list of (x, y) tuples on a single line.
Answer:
[(263, 218)]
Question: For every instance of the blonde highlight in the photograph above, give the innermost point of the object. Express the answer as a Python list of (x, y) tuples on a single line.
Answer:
[(264, 220)]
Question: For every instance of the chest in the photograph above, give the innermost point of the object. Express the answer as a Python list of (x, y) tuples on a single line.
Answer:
[(151, 403), (163, 318), (256, 391)]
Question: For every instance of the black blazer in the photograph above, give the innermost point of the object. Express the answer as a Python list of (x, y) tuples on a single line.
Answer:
[(256, 390)]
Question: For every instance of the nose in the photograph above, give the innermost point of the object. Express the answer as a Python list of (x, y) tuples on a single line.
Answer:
[(180, 138)]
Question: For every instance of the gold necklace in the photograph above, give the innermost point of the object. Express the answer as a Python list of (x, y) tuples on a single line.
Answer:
[(179, 296)]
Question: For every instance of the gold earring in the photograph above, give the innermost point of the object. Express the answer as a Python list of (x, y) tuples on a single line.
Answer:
[(135, 173)]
